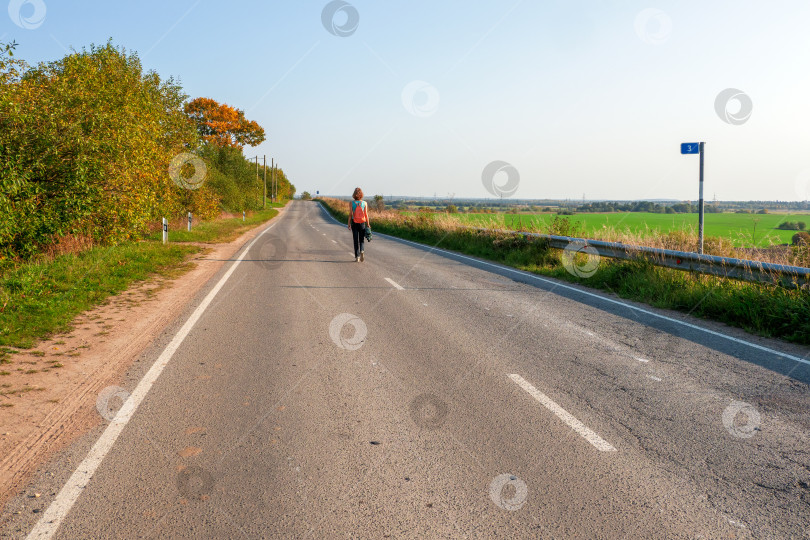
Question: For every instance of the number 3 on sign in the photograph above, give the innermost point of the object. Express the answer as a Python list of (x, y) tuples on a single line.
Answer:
[(690, 148)]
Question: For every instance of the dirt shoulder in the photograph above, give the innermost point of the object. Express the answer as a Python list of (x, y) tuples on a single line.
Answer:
[(53, 388)]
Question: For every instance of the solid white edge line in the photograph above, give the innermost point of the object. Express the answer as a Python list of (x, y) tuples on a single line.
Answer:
[(396, 285), (600, 297), (50, 521), (586, 433)]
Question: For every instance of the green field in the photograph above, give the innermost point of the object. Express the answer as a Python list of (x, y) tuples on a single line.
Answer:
[(739, 228)]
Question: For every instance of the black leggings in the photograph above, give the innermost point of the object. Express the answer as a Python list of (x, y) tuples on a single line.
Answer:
[(359, 236)]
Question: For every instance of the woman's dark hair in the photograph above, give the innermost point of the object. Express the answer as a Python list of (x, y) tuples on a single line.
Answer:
[(358, 194)]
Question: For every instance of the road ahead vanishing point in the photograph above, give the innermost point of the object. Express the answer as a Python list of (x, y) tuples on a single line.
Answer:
[(427, 395)]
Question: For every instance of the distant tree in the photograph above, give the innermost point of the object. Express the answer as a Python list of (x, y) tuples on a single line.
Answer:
[(306, 196), (763, 211), (669, 210), (802, 225), (379, 203), (452, 209), (223, 125), (681, 208)]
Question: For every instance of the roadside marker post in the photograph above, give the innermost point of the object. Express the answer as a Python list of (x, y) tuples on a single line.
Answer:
[(697, 148), (165, 230), (243, 215), (189, 222)]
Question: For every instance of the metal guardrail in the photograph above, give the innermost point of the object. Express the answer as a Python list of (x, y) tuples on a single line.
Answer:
[(743, 269)]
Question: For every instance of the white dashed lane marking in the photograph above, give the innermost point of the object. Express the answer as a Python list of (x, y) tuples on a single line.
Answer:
[(584, 431), (396, 285)]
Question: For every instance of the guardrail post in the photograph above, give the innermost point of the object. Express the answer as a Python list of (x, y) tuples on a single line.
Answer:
[(165, 230)]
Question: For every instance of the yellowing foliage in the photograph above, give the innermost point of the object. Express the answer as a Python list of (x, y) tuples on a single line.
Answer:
[(85, 144), (223, 125), (85, 148)]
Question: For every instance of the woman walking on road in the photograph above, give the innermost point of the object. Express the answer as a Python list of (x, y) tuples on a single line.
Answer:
[(358, 221)]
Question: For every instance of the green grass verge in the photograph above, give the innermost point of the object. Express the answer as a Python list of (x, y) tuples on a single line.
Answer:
[(760, 309), (40, 298), (220, 230)]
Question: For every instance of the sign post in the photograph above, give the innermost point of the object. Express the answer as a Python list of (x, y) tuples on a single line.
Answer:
[(697, 148), (189, 222), (165, 230)]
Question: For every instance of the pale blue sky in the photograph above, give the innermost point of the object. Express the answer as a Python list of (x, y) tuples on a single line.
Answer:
[(580, 97)]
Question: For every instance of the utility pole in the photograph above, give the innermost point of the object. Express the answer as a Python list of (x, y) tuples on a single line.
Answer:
[(272, 180), (265, 181), (257, 170)]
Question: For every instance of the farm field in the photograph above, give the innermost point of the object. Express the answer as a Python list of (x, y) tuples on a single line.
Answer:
[(739, 228)]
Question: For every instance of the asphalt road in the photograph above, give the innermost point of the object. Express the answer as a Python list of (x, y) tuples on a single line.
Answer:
[(420, 395)]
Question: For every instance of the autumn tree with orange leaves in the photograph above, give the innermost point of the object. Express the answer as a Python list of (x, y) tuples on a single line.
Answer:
[(223, 125)]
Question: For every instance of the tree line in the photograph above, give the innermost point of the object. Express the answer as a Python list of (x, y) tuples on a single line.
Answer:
[(85, 148)]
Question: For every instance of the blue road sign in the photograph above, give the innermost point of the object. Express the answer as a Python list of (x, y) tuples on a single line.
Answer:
[(690, 148), (317, 193)]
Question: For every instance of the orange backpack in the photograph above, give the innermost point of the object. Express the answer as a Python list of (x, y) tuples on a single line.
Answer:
[(358, 213)]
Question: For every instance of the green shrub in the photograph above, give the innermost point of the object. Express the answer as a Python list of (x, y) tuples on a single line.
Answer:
[(85, 147), (788, 226), (801, 238), (85, 144)]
